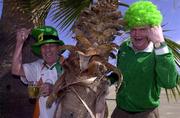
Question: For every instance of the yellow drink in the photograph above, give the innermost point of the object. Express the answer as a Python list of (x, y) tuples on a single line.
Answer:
[(33, 91)]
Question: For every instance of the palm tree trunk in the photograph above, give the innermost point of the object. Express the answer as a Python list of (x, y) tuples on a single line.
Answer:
[(14, 102)]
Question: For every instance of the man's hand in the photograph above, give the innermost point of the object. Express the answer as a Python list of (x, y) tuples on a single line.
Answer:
[(46, 89), (22, 35), (155, 34)]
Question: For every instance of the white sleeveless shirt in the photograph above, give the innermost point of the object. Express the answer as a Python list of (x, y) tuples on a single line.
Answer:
[(33, 72)]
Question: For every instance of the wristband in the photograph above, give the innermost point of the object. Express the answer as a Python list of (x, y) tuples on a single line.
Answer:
[(159, 45)]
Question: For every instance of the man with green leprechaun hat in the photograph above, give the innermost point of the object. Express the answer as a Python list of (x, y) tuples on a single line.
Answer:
[(44, 72), (146, 62)]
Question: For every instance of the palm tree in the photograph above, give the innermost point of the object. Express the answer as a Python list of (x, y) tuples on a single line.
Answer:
[(95, 23)]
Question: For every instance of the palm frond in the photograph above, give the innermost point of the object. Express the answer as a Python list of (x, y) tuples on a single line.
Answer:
[(123, 4), (175, 47), (39, 10), (173, 93), (65, 12)]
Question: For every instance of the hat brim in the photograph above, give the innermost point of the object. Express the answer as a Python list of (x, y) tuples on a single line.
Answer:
[(36, 48)]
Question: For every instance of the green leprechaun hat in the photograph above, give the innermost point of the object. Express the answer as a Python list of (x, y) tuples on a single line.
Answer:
[(44, 35)]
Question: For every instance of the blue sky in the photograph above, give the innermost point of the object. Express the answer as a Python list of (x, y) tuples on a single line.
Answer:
[(169, 8)]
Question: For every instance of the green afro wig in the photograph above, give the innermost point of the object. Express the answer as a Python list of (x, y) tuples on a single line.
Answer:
[(142, 13)]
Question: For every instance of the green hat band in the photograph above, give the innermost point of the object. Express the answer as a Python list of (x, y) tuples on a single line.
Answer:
[(142, 13)]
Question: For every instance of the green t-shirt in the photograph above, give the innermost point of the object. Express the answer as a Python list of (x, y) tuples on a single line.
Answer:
[(144, 73)]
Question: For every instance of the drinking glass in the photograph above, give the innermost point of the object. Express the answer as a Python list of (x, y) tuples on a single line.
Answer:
[(33, 89)]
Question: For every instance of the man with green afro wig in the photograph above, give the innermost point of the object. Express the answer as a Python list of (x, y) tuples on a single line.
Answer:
[(146, 62)]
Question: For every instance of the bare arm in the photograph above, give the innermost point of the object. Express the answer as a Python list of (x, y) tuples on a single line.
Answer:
[(21, 36)]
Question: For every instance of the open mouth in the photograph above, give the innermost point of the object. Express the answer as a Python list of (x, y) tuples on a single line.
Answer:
[(138, 39)]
